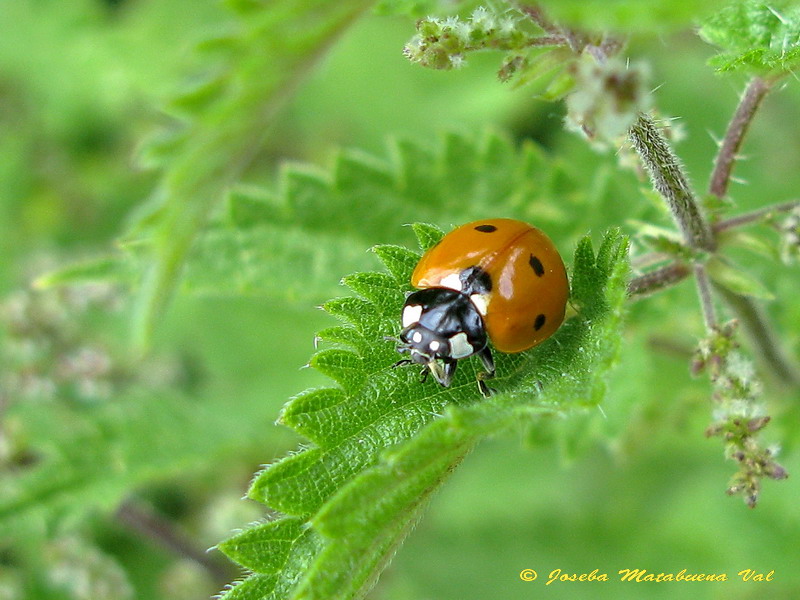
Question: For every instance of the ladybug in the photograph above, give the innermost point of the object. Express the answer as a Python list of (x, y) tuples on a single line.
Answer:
[(497, 279)]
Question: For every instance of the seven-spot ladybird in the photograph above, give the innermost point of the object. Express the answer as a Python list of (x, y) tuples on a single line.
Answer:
[(497, 279)]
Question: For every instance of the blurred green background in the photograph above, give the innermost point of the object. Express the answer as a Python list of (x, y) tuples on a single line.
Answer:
[(640, 486)]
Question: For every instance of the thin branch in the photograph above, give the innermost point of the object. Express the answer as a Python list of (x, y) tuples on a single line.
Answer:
[(755, 216), (155, 528), (706, 299), (752, 316), (737, 128), (535, 13), (669, 180), (658, 279), (547, 40), (670, 346), (643, 261), (762, 336)]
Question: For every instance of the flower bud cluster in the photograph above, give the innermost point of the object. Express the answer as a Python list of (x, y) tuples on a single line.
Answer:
[(443, 43), (739, 414), (47, 353), (606, 99), (790, 236)]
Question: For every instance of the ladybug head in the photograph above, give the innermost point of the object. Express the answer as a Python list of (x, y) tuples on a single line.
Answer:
[(423, 345), (427, 348)]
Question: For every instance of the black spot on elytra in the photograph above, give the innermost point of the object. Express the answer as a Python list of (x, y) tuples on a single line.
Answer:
[(539, 322), (486, 228), (475, 280), (537, 266)]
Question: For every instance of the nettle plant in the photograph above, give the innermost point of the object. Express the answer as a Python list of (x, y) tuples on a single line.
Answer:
[(380, 443)]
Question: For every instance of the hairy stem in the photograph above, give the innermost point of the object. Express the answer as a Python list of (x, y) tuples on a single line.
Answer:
[(669, 180), (706, 299), (737, 128), (752, 316), (657, 279), (535, 13), (755, 216)]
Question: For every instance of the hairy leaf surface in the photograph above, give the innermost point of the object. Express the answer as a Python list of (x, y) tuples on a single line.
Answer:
[(383, 442)]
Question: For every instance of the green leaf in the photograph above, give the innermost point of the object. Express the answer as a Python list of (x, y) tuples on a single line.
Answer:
[(343, 336), (427, 235), (373, 287), (316, 415), (278, 44), (384, 442), (276, 586), (342, 366), (399, 261), (756, 37), (264, 548)]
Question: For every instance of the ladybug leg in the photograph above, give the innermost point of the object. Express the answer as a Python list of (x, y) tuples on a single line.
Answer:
[(443, 370), (488, 363), (423, 375), (449, 370), (401, 362)]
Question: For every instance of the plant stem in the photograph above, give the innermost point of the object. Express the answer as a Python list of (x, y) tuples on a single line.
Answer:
[(155, 528), (750, 314), (669, 180), (737, 128), (706, 299), (657, 279), (755, 216), (535, 13)]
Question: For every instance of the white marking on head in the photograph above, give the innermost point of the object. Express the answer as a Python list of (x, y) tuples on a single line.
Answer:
[(481, 302), (417, 337), (411, 314), (434, 345), (452, 281), (460, 346)]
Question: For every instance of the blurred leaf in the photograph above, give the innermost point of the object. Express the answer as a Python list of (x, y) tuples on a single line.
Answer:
[(108, 269), (278, 44), (295, 244), (630, 16), (547, 69), (661, 239), (751, 242), (384, 442), (730, 276), (754, 36), (98, 460), (421, 8)]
